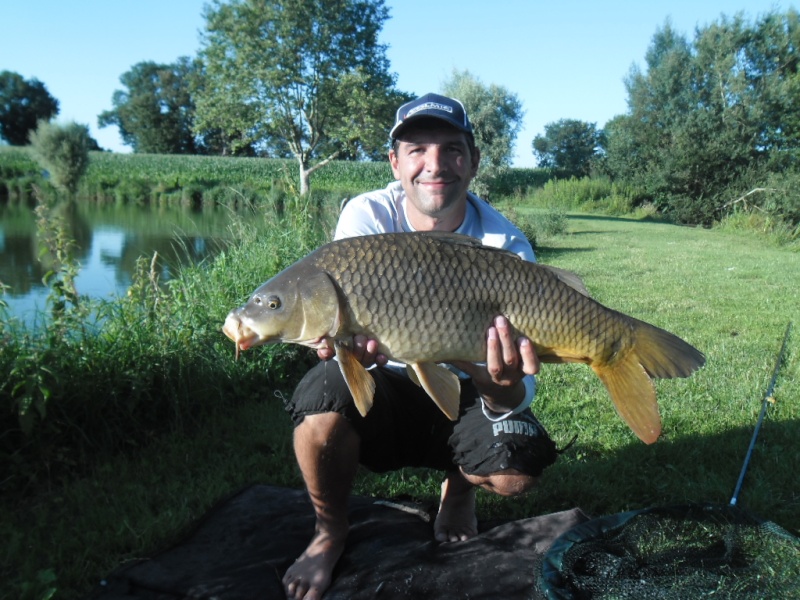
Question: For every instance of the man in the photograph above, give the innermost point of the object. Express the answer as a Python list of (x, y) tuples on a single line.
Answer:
[(496, 443)]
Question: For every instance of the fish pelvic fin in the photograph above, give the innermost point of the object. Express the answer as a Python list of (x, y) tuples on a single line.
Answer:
[(441, 384), (634, 396), (359, 381)]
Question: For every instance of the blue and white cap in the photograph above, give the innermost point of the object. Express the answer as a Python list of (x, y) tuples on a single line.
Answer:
[(433, 106)]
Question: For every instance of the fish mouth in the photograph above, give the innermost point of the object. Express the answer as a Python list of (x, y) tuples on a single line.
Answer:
[(244, 337)]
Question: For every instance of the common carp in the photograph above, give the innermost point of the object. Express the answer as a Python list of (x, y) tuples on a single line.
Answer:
[(430, 297)]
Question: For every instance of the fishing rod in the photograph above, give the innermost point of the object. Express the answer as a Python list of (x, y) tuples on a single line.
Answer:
[(768, 399)]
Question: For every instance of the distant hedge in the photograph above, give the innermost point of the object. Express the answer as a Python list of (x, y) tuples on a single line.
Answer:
[(195, 179)]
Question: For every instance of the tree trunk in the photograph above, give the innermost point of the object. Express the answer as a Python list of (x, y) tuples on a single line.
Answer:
[(305, 181)]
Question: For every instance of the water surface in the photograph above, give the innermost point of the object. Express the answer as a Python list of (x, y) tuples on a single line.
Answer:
[(109, 239)]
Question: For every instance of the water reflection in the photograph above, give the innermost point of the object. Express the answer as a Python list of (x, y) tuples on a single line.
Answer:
[(108, 242)]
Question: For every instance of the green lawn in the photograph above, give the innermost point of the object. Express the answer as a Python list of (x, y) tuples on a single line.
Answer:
[(731, 296)]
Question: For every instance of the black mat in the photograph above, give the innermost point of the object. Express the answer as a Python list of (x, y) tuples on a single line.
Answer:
[(241, 549)]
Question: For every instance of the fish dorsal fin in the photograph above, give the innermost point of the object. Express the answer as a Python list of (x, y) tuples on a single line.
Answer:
[(459, 239), (570, 278), (441, 384), (359, 381), (452, 238)]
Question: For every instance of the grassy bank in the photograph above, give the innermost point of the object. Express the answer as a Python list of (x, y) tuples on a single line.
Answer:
[(152, 421)]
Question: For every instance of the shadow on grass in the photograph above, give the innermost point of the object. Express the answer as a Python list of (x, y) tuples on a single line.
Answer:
[(675, 470), (545, 254)]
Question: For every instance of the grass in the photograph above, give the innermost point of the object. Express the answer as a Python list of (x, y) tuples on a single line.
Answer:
[(731, 295)]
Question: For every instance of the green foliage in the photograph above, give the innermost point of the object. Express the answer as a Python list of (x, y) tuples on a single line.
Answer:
[(23, 103), (306, 79), (569, 145), (153, 422), (588, 194), (143, 177), (519, 181), (538, 225), (156, 359), (707, 113), (63, 150), (33, 370), (155, 112), (496, 117)]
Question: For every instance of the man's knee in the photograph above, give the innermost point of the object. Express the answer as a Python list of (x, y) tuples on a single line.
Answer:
[(508, 482), (321, 429)]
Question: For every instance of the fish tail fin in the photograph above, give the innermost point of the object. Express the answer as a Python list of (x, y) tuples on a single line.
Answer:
[(655, 353), (634, 396), (663, 354)]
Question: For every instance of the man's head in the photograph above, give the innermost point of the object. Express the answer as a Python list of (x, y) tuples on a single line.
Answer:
[(434, 156)]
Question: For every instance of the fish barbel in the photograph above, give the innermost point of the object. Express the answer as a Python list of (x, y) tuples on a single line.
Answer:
[(430, 297)]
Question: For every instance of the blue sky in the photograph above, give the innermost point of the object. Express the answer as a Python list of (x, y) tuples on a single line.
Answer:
[(563, 59)]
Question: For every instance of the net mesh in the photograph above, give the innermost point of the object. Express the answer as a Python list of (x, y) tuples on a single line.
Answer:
[(695, 551)]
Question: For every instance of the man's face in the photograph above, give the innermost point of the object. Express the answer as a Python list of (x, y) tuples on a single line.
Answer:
[(435, 167)]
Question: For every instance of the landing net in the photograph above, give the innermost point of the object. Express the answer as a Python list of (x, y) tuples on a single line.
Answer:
[(694, 551)]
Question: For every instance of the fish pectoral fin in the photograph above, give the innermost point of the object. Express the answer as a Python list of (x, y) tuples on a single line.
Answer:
[(359, 381), (634, 396), (441, 384)]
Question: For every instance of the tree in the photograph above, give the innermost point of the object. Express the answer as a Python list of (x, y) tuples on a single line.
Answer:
[(496, 117), (304, 77), (22, 104), (155, 112), (63, 150), (710, 113), (570, 145)]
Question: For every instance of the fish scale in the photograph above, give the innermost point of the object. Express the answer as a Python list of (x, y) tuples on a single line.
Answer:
[(430, 297), (461, 294)]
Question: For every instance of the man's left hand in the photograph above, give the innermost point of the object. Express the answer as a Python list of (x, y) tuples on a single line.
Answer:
[(508, 361)]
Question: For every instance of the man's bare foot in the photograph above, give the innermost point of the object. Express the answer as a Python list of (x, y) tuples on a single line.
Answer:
[(456, 520), (310, 575)]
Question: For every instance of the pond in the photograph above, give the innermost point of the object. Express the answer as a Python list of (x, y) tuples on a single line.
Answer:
[(109, 240)]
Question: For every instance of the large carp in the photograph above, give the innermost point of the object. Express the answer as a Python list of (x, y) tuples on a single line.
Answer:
[(430, 297)]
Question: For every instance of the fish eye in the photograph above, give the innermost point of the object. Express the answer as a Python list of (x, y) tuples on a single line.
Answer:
[(274, 302)]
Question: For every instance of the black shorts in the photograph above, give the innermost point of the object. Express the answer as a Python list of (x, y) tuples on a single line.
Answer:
[(405, 428)]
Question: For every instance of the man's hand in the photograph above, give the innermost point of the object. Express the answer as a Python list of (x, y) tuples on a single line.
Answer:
[(507, 362), (365, 350)]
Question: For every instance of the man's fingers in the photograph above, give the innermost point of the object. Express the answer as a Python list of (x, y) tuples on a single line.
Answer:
[(360, 346), (509, 348), (530, 360), (366, 351), (494, 353)]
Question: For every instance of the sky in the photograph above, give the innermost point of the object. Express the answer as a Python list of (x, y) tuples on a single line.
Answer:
[(563, 60)]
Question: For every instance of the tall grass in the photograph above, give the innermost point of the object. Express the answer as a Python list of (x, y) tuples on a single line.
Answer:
[(588, 194)]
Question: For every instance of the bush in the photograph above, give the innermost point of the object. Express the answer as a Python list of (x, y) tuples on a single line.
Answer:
[(537, 225), (588, 194), (63, 150)]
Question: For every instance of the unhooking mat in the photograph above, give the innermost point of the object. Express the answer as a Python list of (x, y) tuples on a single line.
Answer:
[(241, 549)]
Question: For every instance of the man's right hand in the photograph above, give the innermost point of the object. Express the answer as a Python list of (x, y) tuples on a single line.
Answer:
[(365, 350)]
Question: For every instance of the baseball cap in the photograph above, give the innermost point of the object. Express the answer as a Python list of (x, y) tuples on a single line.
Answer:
[(432, 106)]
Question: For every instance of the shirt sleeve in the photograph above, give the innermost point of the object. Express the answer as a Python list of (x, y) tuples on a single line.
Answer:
[(374, 212), (529, 381)]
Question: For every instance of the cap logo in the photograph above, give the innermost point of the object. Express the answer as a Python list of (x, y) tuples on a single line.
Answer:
[(429, 106)]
